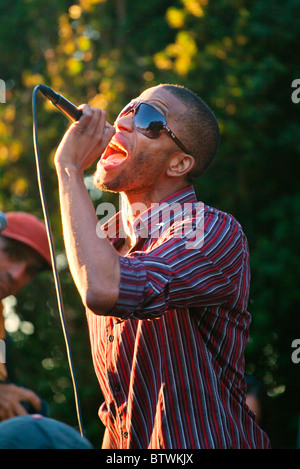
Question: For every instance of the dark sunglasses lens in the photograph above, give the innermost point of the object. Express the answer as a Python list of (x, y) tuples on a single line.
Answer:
[(149, 121)]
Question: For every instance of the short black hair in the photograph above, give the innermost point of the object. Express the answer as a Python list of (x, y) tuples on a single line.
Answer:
[(200, 133)]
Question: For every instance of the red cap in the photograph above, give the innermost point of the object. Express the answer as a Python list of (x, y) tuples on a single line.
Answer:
[(28, 229)]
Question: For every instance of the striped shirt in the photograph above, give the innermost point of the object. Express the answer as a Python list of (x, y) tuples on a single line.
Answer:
[(170, 357)]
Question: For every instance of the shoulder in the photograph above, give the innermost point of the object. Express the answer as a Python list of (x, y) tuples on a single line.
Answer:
[(202, 229), (212, 229), (220, 223)]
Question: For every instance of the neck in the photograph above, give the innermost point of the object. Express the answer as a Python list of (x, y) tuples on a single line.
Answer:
[(136, 202)]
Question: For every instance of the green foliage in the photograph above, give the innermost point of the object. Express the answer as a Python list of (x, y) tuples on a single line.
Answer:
[(240, 56)]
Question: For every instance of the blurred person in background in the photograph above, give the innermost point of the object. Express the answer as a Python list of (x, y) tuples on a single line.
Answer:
[(24, 253)]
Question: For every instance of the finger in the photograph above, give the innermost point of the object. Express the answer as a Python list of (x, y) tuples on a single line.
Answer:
[(108, 133), (99, 130), (102, 121), (103, 138), (19, 410), (85, 119), (97, 124), (29, 396), (94, 124)]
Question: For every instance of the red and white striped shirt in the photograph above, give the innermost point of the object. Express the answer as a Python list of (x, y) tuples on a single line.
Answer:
[(170, 357)]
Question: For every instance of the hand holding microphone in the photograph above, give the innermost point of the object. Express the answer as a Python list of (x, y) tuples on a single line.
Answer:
[(86, 139)]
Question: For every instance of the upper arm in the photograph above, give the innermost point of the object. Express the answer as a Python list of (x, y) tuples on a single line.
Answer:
[(172, 275)]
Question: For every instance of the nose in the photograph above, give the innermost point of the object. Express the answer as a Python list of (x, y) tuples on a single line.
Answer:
[(125, 122)]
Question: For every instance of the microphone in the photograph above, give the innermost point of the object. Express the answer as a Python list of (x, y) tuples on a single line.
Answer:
[(65, 106), (3, 221)]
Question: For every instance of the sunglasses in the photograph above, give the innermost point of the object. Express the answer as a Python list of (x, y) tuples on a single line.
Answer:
[(149, 121)]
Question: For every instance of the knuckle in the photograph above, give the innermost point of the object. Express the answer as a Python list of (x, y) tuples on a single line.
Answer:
[(85, 108)]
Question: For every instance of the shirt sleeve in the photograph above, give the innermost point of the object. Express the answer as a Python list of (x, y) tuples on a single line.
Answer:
[(174, 276)]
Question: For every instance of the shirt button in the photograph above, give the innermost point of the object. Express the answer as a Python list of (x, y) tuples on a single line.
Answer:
[(111, 338), (117, 387)]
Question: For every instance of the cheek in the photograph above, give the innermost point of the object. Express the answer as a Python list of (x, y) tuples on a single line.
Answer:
[(152, 153), (153, 164), (142, 167)]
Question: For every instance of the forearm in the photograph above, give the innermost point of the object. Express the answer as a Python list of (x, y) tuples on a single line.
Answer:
[(93, 262)]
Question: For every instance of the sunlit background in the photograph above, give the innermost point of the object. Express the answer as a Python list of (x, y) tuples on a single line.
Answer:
[(241, 57)]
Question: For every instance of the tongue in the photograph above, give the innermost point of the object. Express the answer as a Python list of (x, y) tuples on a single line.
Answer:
[(116, 158)]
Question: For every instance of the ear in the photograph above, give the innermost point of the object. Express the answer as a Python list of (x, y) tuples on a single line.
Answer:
[(180, 164)]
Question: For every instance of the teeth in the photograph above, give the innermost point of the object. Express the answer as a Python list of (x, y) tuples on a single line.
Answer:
[(116, 146)]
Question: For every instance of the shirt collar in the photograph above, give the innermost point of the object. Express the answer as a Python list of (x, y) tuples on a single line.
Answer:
[(154, 220)]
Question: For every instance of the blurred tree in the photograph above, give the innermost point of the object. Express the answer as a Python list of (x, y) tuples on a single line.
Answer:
[(240, 57)]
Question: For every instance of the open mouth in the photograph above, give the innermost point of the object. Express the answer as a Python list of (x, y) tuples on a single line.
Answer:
[(114, 154)]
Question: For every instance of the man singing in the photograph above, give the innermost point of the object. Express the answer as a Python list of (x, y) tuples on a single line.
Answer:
[(166, 296)]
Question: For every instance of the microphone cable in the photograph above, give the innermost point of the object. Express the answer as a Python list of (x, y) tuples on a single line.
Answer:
[(53, 260)]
